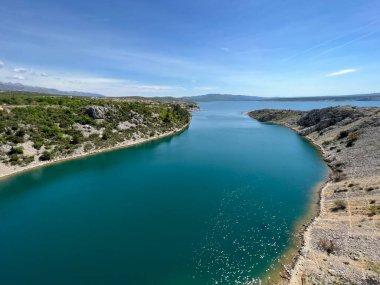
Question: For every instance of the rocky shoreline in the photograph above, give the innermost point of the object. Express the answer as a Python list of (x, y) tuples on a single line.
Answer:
[(341, 245)]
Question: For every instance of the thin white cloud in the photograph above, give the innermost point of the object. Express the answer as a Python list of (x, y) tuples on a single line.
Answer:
[(20, 70), (226, 49), (17, 77), (339, 37), (206, 88), (89, 83), (109, 86), (342, 72), (1, 64), (348, 42)]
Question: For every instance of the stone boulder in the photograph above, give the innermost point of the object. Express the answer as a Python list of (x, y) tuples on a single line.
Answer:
[(98, 112)]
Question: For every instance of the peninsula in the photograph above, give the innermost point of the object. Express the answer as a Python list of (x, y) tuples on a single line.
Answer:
[(38, 129), (341, 245)]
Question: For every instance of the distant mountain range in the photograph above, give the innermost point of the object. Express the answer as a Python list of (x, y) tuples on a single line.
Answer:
[(200, 98), (355, 97), (25, 88), (230, 97), (221, 97)]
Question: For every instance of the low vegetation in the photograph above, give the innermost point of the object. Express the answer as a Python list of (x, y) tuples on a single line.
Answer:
[(327, 245), (39, 127), (339, 205)]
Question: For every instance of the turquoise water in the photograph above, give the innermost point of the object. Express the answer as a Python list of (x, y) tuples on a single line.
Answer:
[(213, 205)]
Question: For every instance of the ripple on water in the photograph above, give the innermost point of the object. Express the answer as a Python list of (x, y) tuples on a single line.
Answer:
[(240, 240)]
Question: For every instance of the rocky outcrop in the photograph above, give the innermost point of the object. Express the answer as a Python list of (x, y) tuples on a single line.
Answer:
[(98, 112), (271, 115), (326, 117)]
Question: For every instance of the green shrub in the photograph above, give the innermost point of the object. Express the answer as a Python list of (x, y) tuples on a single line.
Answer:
[(37, 144), (28, 159), (16, 150), (76, 139), (87, 147), (46, 155), (13, 159), (16, 139)]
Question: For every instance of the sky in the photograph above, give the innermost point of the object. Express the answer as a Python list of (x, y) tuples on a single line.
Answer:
[(181, 48)]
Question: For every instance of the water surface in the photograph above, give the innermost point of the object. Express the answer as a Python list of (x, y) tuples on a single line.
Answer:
[(213, 205)]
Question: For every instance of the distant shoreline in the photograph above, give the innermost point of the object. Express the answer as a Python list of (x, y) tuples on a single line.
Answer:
[(9, 171)]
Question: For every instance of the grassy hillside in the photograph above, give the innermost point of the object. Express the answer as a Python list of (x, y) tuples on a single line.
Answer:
[(36, 127)]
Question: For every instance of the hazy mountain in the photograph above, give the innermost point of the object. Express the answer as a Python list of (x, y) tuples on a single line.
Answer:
[(221, 97), (230, 97), (355, 97), (20, 87)]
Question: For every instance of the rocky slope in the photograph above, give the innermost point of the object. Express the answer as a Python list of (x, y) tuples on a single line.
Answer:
[(342, 244)]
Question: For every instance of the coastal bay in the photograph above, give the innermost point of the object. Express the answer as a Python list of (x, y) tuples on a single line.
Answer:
[(189, 142)]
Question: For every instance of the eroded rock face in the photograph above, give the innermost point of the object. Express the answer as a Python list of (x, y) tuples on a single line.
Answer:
[(98, 112), (320, 119)]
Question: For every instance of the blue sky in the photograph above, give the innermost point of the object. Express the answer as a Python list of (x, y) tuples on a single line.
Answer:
[(176, 48)]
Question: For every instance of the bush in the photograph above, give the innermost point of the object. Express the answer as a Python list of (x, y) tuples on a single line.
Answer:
[(37, 144), (339, 205), (87, 147), (28, 159), (46, 155), (14, 159), (16, 150), (352, 138), (326, 143), (342, 135), (167, 119), (16, 139), (76, 139), (327, 245), (373, 210)]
